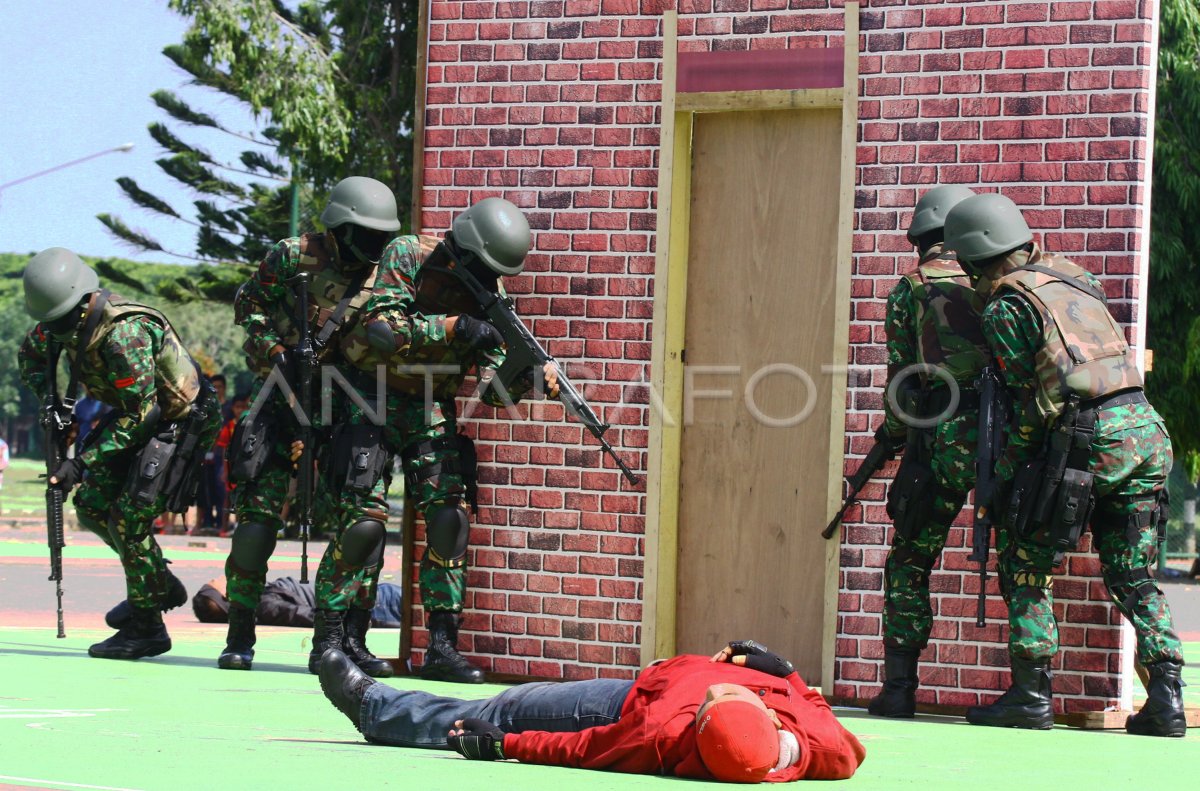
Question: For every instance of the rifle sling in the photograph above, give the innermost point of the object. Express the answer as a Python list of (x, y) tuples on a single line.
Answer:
[(1069, 280), (94, 314), (339, 311)]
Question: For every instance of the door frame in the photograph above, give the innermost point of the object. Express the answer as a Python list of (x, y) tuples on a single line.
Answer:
[(660, 582)]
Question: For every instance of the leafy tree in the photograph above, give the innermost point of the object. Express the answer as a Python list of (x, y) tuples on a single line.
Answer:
[(1173, 329), (335, 80)]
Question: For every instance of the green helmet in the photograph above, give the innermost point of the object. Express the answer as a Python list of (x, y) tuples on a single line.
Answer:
[(984, 226), (56, 280), (362, 201), (930, 212), (497, 232)]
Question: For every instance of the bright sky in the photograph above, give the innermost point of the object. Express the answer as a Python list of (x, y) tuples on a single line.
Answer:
[(75, 79)]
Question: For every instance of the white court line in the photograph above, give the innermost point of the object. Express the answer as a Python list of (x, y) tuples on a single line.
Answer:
[(64, 785), (40, 714)]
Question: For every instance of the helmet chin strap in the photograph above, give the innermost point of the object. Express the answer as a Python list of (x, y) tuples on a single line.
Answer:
[(360, 257)]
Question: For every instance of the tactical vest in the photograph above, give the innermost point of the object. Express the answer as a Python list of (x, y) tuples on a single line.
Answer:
[(948, 330), (408, 370), (176, 378), (1083, 351), (327, 287)]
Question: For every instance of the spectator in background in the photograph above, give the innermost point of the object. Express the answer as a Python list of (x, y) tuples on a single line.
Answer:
[(237, 405), (3, 460), (88, 413), (211, 495)]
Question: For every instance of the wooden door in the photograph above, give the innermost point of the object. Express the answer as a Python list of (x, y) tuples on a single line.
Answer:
[(759, 339)]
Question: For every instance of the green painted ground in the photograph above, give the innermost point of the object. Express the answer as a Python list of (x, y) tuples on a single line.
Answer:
[(177, 722)]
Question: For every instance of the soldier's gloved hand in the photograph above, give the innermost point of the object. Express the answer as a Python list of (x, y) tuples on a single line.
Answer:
[(477, 334), (477, 739), (894, 442), (69, 473), (755, 656), (283, 361)]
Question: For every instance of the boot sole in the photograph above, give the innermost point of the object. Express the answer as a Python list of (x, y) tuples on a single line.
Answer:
[(234, 663), (132, 655), (438, 676), (1038, 726)]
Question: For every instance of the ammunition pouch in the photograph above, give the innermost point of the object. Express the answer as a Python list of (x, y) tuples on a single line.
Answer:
[(150, 469), (251, 445), (359, 459), (463, 463), (910, 498)]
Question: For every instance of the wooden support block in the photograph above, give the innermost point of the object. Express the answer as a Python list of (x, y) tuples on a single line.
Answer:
[(1108, 720)]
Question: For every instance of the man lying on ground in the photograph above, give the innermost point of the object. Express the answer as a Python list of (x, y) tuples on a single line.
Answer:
[(743, 715)]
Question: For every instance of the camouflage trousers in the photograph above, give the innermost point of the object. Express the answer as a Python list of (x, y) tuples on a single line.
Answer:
[(262, 500), (907, 614), (1130, 469), (105, 508), (442, 581)]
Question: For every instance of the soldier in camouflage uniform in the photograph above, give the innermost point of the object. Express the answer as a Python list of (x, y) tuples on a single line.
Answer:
[(932, 323), (1071, 375), (428, 346), (342, 268), (128, 356)]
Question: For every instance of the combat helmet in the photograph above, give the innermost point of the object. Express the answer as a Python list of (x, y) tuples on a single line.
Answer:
[(361, 201), (985, 226), (497, 232), (930, 212), (56, 281)]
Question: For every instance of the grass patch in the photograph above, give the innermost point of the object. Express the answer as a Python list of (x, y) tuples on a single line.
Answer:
[(23, 490)]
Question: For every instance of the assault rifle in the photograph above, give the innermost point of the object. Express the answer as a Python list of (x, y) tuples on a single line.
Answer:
[(993, 415), (883, 451), (54, 425), (523, 352), (305, 355)]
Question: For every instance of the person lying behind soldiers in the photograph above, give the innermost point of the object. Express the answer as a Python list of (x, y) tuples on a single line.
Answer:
[(144, 457), (741, 716), (935, 352), (428, 344), (1085, 448), (341, 265)]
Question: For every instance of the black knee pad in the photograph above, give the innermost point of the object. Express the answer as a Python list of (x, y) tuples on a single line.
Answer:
[(253, 543), (363, 541), (447, 529)]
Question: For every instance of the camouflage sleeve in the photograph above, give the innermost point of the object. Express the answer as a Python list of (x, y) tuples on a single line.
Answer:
[(1013, 332), (395, 299), (31, 361), (256, 299), (128, 355), (900, 324)]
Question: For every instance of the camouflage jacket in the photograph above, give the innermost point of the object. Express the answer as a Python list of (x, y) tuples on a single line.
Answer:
[(425, 355), (1013, 327), (933, 319), (134, 363), (266, 305)]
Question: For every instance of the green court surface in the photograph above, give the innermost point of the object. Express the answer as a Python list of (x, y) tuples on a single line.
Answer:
[(177, 722)]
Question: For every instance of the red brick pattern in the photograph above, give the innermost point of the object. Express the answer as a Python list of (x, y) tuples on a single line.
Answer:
[(554, 104)]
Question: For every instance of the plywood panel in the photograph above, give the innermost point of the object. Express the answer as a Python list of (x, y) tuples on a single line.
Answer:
[(763, 245)]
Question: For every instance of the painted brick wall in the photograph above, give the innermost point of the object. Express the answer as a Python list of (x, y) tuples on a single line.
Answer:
[(554, 105)]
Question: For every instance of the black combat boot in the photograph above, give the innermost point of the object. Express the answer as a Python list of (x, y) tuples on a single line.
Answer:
[(143, 635), (176, 596), (442, 660), (239, 642), (344, 684), (1026, 704), (1162, 714), (898, 698), (329, 631), (357, 623)]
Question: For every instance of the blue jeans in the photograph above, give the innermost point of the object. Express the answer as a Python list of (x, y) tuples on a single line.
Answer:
[(418, 719)]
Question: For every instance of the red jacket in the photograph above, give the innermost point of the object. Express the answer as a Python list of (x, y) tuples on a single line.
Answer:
[(656, 733)]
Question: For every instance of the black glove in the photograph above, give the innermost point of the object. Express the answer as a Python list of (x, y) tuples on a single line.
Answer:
[(895, 442), (286, 365), (69, 473), (761, 658), (477, 334), (480, 741)]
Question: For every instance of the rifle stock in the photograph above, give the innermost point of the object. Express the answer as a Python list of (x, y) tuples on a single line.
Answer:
[(306, 362)]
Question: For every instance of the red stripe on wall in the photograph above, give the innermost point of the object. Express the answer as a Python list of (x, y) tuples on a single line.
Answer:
[(759, 70)]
